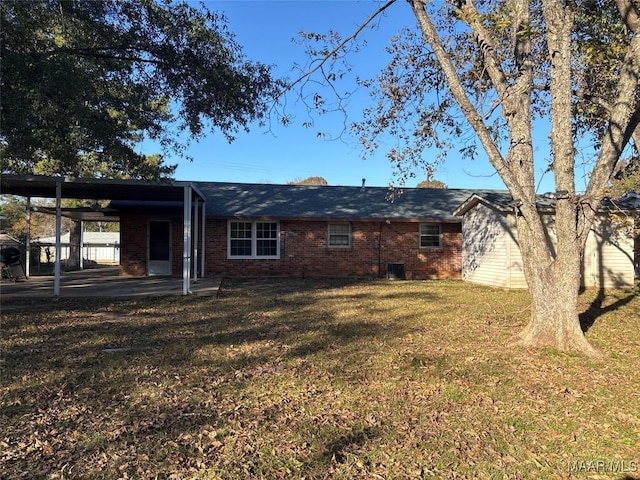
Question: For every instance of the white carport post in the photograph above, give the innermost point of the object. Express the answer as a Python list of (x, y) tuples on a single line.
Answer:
[(56, 264), (81, 244), (195, 241), (204, 207), (27, 259), (186, 244)]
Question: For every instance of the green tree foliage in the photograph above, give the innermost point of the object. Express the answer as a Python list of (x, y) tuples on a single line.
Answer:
[(601, 42), (627, 178), (84, 82), (40, 224), (308, 181), (12, 209)]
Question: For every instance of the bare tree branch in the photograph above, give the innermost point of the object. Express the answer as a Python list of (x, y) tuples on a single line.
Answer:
[(468, 12), (623, 122), (470, 112), (102, 53), (630, 15), (340, 45)]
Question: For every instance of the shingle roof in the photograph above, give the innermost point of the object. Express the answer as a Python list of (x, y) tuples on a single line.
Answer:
[(7, 240), (238, 200), (248, 200), (499, 200), (503, 201)]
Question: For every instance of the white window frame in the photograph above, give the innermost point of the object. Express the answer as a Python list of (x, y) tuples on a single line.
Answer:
[(331, 234), (254, 240), (422, 235)]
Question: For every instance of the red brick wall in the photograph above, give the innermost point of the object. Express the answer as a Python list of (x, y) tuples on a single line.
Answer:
[(304, 250), (177, 236), (133, 244)]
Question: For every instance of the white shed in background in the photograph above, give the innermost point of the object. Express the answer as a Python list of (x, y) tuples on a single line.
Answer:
[(491, 255), (98, 247)]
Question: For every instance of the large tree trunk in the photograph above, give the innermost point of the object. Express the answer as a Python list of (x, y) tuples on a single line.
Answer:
[(554, 316), (552, 271), (75, 249), (553, 275)]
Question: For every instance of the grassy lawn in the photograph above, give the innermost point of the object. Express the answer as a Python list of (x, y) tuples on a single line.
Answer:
[(315, 379)]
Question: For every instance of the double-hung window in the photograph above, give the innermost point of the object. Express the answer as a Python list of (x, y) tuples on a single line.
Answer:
[(339, 235), (430, 235), (253, 240)]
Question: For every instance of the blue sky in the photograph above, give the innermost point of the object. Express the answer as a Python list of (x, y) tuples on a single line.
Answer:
[(265, 29)]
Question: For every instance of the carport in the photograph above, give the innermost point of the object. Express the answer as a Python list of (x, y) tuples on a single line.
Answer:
[(192, 200)]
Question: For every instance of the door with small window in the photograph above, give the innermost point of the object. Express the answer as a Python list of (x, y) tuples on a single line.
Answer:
[(159, 262)]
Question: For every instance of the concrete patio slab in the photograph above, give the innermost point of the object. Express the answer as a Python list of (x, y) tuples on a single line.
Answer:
[(105, 282)]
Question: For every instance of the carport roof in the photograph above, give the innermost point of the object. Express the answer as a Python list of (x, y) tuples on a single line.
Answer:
[(85, 214), (39, 186)]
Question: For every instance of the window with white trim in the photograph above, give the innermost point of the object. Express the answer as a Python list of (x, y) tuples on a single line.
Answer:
[(339, 235), (253, 239), (430, 235)]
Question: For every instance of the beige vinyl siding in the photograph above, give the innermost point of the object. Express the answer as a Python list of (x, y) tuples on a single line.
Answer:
[(486, 247), (491, 255), (515, 266), (608, 256)]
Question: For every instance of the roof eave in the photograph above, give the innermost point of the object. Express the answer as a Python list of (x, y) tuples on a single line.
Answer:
[(474, 200), (335, 219)]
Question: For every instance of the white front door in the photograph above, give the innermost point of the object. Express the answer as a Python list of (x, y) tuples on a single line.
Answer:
[(159, 247)]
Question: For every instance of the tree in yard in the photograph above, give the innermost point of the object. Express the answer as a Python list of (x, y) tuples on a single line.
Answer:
[(12, 211), (308, 181), (83, 83), (627, 178), (15, 222), (431, 182), (502, 68)]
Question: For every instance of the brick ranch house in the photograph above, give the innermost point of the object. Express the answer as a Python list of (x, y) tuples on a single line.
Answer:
[(415, 233), (289, 230), (191, 229)]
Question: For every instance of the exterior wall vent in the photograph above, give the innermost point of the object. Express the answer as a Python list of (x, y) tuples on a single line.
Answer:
[(395, 270)]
